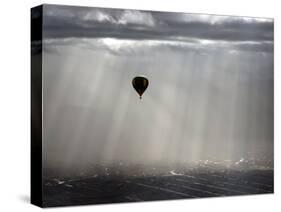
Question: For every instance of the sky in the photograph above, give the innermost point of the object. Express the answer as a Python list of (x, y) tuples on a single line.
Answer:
[(210, 93)]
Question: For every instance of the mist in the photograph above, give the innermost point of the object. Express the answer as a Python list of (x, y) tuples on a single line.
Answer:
[(208, 99)]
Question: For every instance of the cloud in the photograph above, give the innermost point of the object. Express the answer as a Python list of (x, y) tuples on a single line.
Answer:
[(137, 17), (120, 31), (131, 48), (88, 17), (67, 21)]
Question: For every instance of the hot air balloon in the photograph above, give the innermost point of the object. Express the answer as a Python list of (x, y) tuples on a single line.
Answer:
[(140, 83)]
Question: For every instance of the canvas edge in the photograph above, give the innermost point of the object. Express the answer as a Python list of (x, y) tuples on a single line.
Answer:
[(36, 21)]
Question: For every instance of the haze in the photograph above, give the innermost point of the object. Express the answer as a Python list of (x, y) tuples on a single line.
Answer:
[(210, 94)]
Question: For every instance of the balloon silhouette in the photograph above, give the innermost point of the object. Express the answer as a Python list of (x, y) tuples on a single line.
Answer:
[(140, 83)]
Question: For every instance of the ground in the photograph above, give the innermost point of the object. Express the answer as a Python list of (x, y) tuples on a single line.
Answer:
[(192, 184)]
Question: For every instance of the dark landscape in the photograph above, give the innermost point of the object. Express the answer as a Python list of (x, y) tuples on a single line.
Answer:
[(207, 181)]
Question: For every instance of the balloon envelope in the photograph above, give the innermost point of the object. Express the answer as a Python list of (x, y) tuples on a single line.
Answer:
[(140, 83)]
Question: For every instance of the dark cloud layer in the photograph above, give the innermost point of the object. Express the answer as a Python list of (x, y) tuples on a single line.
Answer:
[(67, 21)]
